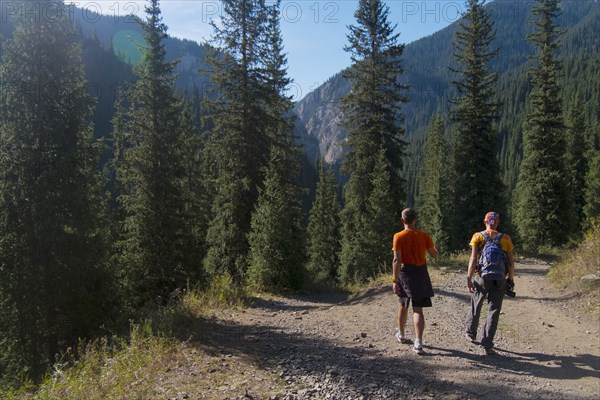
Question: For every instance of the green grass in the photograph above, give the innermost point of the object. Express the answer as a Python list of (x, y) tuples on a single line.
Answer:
[(580, 261), (133, 367), (125, 368), (458, 260), (147, 364)]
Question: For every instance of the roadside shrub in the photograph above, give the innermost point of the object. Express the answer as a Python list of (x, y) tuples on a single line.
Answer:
[(223, 291), (111, 369), (580, 261)]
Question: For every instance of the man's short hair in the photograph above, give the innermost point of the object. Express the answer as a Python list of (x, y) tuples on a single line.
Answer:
[(409, 215)]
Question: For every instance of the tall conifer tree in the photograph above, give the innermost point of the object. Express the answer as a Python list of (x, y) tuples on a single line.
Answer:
[(577, 163), (372, 115), (542, 197), (276, 255), (591, 208), (592, 190), (156, 238), (52, 237), (478, 186), (277, 235), (238, 141), (434, 197), (324, 230), (381, 203)]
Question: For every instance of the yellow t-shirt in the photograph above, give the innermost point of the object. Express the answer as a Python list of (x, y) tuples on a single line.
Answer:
[(505, 241)]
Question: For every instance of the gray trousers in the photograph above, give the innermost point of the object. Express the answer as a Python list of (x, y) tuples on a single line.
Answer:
[(494, 290)]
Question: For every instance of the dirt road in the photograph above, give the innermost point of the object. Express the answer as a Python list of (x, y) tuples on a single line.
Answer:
[(332, 347)]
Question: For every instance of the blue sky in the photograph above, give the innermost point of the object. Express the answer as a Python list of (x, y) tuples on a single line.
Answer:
[(314, 31)]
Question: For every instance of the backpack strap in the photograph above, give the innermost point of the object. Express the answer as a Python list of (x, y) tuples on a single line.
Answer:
[(482, 245), (498, 237), (489, 239)]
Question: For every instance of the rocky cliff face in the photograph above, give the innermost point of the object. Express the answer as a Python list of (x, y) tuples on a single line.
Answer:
[(319, 114)]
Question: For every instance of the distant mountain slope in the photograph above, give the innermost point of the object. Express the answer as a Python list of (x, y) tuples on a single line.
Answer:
[(112, 31), (426, 70)]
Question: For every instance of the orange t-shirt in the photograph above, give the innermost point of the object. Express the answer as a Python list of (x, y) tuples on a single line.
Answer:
[(412, 246)]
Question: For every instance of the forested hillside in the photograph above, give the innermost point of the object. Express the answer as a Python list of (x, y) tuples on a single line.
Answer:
[(426, 63)]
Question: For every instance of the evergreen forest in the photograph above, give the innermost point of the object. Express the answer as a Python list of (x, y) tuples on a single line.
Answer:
[(135, 167)]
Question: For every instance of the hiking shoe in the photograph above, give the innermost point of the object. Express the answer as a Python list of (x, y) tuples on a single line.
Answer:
[(489, 351), (401, 338), (470, 337), (417, 348)]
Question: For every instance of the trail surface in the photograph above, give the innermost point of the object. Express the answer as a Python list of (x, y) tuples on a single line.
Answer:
[(332, 347)]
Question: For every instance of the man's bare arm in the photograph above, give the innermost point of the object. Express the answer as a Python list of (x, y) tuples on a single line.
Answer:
[(473, 261), (472, 266), (511, 265), (396, 264), (433, 252)]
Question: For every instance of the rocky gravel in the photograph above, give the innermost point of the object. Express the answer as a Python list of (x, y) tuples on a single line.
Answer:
[(334, 347)]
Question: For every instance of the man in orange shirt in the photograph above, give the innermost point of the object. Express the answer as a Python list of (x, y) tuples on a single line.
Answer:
[(410, 278)]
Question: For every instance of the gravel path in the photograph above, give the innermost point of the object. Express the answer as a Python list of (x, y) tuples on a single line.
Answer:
[(331, 347)]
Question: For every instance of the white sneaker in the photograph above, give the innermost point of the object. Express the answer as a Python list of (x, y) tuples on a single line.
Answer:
[(401, 338), (470, 338), (418, 348)]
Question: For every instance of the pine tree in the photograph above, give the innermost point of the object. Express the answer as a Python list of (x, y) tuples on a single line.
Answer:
[(324, 230), (479, 187), (279, 105), (276, 239), (238, 141), (593, 139), (591, 208), (381, 201), (592, 190), (542, 198), (194, 190), (155, 236), (53, 270), (577, 163), (434, 197), (372, 116)]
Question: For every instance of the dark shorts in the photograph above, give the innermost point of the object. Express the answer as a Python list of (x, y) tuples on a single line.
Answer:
[(415, 284), (416, 302)]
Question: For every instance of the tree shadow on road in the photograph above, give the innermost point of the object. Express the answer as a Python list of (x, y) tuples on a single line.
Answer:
[(536, 364), (315, 301), (531, 271), (565, 297), (359, 367), (367, 294), (462, 297)]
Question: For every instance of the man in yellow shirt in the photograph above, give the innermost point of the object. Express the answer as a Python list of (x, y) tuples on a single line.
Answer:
[(489, 279), (410, 279)]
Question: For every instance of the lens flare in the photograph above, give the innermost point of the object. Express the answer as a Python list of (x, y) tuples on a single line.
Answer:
[(128, 46)]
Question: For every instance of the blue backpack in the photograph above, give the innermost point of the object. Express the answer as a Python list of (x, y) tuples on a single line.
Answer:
[(492, 259)]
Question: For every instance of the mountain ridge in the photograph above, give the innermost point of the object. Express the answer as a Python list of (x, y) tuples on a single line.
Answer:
[(426, 62)]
